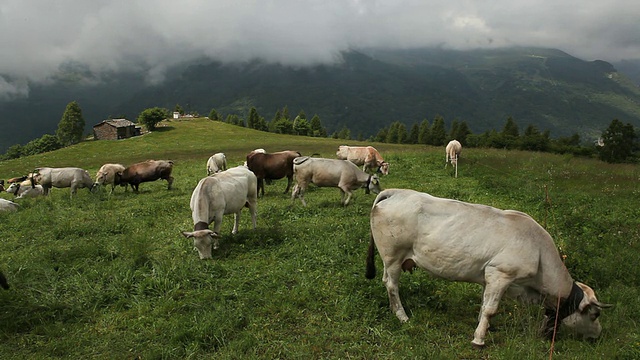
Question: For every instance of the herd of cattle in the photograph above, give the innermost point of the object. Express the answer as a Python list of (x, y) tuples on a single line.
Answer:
[(505, 251)]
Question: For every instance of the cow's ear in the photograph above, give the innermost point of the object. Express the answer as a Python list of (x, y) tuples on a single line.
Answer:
[(187, 234)]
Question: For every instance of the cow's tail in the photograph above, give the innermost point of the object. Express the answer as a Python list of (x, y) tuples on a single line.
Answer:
[(371, 261)]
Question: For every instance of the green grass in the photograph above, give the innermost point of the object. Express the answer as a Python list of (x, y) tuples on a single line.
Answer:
[(109, 276)]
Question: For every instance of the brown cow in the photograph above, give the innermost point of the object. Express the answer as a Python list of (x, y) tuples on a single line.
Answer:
[(272, 166), (150, 170)]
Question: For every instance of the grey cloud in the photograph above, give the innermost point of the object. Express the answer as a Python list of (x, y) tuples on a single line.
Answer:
[(39, 36)]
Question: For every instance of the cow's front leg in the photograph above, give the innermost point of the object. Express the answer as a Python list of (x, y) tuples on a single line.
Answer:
[(496, 285), (236, 222)]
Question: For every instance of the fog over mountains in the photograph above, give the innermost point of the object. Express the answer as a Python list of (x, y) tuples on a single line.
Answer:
[(364, 89)]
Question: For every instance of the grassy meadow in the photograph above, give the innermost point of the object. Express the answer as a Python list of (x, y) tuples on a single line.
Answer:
[(102, 276)]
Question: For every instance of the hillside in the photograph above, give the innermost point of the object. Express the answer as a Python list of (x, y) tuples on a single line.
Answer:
[(111, 276), (367, 91)]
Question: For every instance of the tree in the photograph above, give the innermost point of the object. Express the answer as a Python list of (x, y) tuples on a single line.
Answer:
[(151, 117), (425, 132), (213, 115), (413, 134), (317, 129), (282, 126), (41, 145), (533, 140), (301, 126), (438, 133), (179, 109), (461, 132), (619, 142), (71, 126), (510, 134), (255, 121)]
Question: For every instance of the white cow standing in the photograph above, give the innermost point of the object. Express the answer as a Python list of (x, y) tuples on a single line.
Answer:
[(68, 177), (216, 163), (452, 153), (226, 192), (342, 174), (505, 251)]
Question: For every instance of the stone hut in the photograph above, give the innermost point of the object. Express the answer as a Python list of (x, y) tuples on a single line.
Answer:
[(114, 129)]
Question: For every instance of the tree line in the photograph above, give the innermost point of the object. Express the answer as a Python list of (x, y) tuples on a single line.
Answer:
[(619, 142)]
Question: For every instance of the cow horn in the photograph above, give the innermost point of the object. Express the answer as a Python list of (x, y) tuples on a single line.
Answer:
[(602, 305)]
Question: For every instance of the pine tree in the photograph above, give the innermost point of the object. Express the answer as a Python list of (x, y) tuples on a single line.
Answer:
[(413, 134), (71, 126), (438, 133), (425, 132), (317, 129)]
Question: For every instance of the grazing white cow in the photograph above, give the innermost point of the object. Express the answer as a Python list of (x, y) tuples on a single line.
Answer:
[(367, 156), (28, 190), (342, 174), (8, 205), (217, 162), (505, 251), (452, 152), (62, 178), (222, 193), (107, 175)]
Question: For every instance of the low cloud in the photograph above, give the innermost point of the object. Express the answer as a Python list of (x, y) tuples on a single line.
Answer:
[(145, 35)]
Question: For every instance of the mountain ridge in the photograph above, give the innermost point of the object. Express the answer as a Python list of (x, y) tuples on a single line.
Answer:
[(368, 90)]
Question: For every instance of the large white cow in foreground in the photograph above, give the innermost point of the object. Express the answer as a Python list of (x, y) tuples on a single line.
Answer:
[(222, 193), (106, 175), (342, 174), (72, 177), (366, 156), (505, 251)]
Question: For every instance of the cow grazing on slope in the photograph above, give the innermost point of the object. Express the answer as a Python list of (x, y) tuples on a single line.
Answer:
[(366, 156), (452, 153), (8, 205), (68, 177), (217, 162), (342, 174), (146, 171), (107, 175), (272, 166), (226, 192), (505, 251)]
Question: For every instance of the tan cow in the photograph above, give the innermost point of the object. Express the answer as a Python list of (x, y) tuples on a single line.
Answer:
[(505, 251), (366, 156), (68, 177), (107, 175)]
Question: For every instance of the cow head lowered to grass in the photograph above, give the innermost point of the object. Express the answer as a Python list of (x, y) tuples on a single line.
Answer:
[(505, 251)]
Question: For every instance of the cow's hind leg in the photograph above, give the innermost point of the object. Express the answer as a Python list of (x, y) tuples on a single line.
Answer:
[(497, 283), (289, 181), (391, 279)]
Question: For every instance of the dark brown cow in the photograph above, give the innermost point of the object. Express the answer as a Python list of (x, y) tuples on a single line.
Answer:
[(272, 166), (150, 170)]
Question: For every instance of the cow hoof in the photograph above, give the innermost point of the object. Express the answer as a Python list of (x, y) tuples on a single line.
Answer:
[(477, 346)]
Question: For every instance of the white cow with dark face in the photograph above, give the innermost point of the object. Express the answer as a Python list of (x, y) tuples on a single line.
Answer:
[(505, 251), (226, 192), (342, 174)]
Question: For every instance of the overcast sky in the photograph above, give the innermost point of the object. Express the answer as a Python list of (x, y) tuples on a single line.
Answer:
[(36, 36)]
